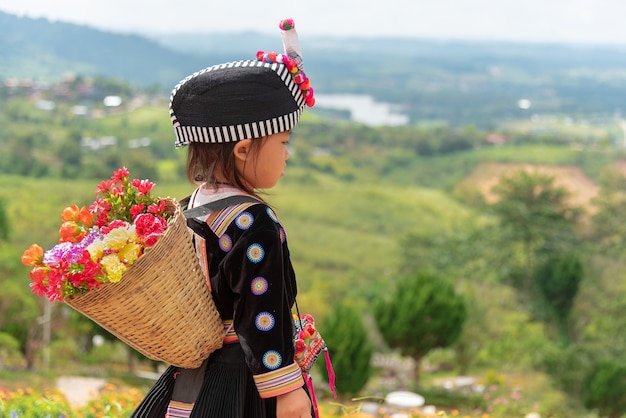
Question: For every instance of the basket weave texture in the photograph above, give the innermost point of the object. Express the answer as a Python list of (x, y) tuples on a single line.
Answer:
[(162, 306)]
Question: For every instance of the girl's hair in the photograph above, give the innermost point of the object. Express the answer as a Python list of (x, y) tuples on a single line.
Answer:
[(205, 162)]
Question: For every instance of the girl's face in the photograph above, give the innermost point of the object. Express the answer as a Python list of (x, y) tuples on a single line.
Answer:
[(263, 166)]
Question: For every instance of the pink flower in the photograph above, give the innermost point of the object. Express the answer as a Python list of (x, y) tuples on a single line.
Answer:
[(149, 228), (114, 224), (118, 191), (151, 239)]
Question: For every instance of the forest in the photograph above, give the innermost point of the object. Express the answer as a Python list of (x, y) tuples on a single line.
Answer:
[(474, 256)]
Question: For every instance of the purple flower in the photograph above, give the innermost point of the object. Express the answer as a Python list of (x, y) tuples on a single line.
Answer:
[(69, 251)]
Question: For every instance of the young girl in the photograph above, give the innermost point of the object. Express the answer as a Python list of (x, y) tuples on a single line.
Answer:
[(236, 120)]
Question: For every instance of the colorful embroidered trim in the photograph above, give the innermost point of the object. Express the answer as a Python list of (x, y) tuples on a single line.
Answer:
[(177, 409), (231, 335), (280, 381), (219, 220)]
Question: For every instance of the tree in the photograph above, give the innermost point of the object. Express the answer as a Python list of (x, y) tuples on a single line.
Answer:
[(609, 223), (605, 387), (423, 313), (4, 221), (534, 213), (559, 279), (351, 352)]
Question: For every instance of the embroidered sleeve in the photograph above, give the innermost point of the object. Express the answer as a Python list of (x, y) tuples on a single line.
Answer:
[(261, 280), (280, 381)]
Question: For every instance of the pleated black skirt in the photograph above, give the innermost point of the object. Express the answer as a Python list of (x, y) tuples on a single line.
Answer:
[(227, 390)]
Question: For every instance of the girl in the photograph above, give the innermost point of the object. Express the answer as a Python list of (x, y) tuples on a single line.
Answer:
[(236, 119)]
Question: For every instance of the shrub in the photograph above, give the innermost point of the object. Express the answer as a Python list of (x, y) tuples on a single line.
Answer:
[(351, 352), (605, 387)]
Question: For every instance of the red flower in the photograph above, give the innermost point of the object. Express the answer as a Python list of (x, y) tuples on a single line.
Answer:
[(157, 209), (143, 186), (120, 175), (105, 186), (33, 255), (56, 277), (120, 203), (38, 275), (118, 191), (102, 220), (137, 209), (87, 273), (149, 228)]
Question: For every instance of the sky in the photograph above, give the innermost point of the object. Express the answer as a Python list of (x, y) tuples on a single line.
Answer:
[(570, 21)]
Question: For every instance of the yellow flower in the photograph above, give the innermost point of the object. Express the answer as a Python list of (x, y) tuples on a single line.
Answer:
[(130, 252), (113, 267), (96, 250), (118, 238)]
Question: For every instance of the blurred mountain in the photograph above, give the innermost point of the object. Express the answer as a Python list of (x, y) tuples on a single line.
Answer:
[(454, 81), (42, 50)]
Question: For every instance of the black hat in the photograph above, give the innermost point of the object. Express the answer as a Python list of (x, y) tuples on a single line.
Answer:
[(241, 100)]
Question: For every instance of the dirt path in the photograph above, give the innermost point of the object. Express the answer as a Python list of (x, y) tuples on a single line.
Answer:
[(80, 390)]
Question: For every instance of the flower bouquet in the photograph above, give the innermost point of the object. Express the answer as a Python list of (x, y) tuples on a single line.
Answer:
[(128, 263)]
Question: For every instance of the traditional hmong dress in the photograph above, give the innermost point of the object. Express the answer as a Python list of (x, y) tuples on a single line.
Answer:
[(244, 253)]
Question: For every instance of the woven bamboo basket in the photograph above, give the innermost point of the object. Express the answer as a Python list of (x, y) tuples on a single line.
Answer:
[(162, 306)]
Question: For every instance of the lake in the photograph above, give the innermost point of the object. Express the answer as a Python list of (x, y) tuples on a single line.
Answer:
[(363, 109)]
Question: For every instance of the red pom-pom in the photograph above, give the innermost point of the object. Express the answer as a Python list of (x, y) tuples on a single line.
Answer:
[(289, 64), (287, 24), (300, 346)]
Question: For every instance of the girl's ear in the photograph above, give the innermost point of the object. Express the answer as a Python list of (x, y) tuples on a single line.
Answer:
[(242, 149)]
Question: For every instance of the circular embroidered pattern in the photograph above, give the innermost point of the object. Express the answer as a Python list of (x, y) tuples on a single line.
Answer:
[(244, 220), (271, 214), (272, 360), (225, 243), (259, 285), (283, 235), (265, 321), (255, 253)]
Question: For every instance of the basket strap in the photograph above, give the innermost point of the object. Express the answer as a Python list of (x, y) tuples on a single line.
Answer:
[(211, 207)]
